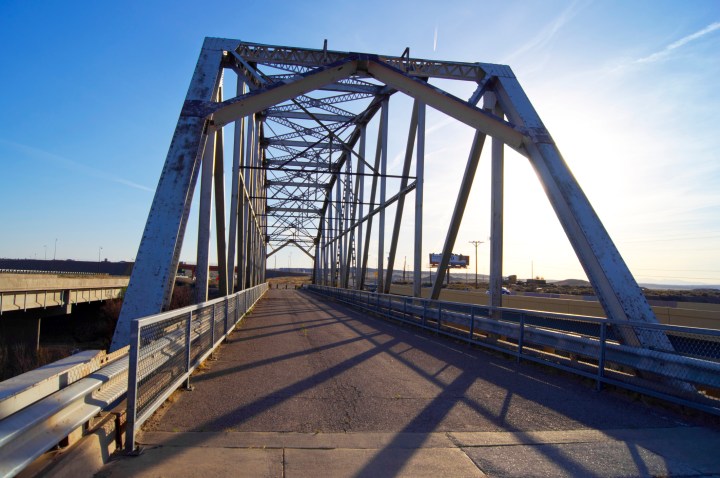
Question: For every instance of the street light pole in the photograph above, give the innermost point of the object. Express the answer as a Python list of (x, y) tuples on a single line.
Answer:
[(55, 252), (99, 251), (476, 243)]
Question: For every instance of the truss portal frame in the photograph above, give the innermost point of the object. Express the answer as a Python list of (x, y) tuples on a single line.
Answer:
[(302, 176)]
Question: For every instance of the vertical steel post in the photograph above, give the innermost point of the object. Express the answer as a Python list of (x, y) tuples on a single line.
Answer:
[(234, 226), (346, 216), (601, 358), (249, 183), (373, 190), (521, 337), (472, 323), (401, 200), (459, 211), (359, 278), (419, 180), (219, 176), (204, 225), (188, 350), (383, 195), (496, 208), (331, 239)]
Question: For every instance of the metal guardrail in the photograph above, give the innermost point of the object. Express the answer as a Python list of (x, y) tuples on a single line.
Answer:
[(40, 409), (40, 416), (38, 271), (166, 348), (684, 368)]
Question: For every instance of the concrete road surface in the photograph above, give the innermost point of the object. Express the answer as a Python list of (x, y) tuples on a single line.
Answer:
[(311, 388)]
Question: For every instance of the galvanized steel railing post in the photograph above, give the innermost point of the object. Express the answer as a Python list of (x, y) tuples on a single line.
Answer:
[(472, 322), (188, 347), (132, 385), (227, 315), (601, 358), (424, 315), (521, 337), (212, 326)]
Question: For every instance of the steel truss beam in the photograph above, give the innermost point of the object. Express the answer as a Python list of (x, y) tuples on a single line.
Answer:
[(294, 148)]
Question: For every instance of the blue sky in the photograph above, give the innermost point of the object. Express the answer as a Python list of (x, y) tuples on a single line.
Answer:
[(90, 93)]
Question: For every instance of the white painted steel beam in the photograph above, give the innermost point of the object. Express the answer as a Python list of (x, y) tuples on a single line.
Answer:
[(202, 270), (614, 285), (219, 186), (305, 116), (409, 149), (419, 191), (459, 211), (153, 275), (263, 98), (449, 104), (496, 208)]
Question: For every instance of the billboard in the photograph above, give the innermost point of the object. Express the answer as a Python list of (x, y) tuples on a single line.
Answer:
[(456, 260)]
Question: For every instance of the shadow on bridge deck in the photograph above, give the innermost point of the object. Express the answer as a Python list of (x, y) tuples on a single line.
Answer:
[(309, 388)]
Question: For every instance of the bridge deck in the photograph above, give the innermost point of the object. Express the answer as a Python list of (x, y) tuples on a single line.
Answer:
[(308, 388)]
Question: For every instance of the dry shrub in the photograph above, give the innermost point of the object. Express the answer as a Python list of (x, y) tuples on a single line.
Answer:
[(182, 297), (16, 359)]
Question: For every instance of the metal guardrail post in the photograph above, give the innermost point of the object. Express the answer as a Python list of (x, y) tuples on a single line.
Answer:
[(472, 323), (424, 316), (212, 325), (132, 386), (601, 358), (521, 337), (188, 347)]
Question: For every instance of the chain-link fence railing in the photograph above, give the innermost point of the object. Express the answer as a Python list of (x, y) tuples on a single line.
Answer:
[(679, 364), (166, 348)]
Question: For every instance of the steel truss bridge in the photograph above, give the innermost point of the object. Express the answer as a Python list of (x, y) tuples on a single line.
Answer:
[(304, 175)]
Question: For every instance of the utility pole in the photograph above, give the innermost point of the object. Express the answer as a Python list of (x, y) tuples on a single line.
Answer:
[(99, 251), (476, 244), (55, 252)]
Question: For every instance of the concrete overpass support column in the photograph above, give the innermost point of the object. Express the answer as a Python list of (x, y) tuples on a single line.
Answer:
[(23, 332)]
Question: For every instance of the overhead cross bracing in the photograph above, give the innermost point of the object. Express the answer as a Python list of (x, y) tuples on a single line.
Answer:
[(310, 170)]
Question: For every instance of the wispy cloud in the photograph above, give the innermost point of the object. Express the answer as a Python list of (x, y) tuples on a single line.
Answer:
[(659, 55), (435, 39), (547, 34), (69, 164)]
